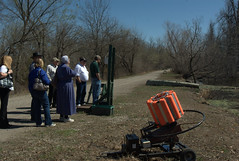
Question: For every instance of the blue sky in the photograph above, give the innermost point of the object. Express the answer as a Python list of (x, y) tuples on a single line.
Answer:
[(148, 17)]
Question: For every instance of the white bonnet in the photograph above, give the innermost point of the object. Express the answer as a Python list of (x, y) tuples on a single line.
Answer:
[(64, 59)]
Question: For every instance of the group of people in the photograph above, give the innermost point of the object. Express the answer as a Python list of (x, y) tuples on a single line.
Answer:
[(61, 94)]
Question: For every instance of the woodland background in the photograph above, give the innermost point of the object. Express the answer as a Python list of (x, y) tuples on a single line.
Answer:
[(52, 28)]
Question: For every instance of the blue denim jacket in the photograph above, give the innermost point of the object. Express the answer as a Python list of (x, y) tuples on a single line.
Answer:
[(34, 74)]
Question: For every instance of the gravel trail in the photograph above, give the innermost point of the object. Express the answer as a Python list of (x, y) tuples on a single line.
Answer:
[(19, 106)]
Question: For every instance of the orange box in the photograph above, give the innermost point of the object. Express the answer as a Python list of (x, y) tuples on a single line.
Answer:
[(165, 108)]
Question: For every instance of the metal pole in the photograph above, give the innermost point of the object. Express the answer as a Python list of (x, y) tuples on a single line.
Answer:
[(112, 76), (109, 76)]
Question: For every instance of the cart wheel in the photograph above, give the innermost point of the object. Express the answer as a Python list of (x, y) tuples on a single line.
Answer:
[(187, 155)]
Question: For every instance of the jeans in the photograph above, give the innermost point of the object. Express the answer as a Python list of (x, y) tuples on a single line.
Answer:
[(96, 87), (80, 92), (4, 94), (40, 98)]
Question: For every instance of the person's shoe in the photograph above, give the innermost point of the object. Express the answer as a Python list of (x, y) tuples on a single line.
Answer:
[(52, 125), (78, 105), (69, 120)]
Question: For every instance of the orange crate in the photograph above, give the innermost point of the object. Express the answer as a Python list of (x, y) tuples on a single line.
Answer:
[(165, 108)]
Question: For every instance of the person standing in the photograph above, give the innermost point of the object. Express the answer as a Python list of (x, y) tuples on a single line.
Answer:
[(95, 78), (82, 76), (5, 71), (51, 71), (35, 57), (40, 98), (65, 91)]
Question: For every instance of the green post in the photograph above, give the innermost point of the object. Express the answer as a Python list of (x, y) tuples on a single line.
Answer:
[(110, 82), (112, 75), (109, 102)]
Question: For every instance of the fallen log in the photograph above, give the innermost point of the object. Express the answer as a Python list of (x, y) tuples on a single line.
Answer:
[(171, 83)]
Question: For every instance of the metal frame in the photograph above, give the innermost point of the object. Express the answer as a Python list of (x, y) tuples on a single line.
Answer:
[(164, 138)]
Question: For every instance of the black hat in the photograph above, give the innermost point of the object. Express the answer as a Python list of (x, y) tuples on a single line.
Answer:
[(83, 59), (36, 54)]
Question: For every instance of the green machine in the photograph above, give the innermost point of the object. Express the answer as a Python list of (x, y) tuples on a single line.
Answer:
[(104, 106)]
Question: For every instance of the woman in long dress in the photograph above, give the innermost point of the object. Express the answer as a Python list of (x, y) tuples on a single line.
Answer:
[(65, 91)]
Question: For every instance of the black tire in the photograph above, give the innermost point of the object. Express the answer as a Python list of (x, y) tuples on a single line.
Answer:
[(187, 155)]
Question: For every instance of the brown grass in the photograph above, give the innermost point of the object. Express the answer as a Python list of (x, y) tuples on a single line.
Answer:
[(89, 136)]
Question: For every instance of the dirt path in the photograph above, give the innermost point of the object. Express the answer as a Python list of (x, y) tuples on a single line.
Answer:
[(19, 107)]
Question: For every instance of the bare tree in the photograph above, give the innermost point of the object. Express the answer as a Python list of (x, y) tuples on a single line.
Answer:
[(127, 49), (185, 47), (97, 25), (229, 30), (67, 39), (212, 61), (29, 15)]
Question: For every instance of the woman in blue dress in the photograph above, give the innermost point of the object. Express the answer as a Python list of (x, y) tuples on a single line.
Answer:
[(65, 91)]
